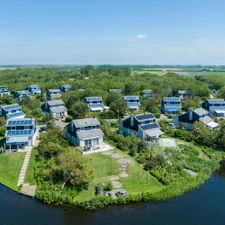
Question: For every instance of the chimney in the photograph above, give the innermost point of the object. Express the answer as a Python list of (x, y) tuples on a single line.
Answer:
[(191, 115), (132, 121)]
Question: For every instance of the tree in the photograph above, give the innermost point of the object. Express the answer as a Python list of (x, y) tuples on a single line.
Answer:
[(118, 107), (130, 88), (75, 169), (78, 110)]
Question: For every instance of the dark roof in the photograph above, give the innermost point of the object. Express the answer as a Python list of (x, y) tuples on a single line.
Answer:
[(144, 116)]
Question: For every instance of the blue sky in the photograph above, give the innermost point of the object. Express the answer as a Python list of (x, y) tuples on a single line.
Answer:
[(112, 32)]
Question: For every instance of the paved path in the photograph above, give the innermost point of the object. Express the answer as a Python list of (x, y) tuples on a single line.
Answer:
[(29, 190), (24, 167)]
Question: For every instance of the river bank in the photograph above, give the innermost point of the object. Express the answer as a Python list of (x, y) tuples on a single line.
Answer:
[(204, 205)]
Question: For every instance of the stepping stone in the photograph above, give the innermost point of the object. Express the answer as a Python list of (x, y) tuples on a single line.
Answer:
[(123, 174), (123, 161), (117, 156), (114, 178), (116, 184)]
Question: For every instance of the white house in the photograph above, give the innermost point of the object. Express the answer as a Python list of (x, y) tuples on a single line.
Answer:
[(12, 111), (86, 134), (4, 91), (34, 89), (94, 104), (133, 102), (57, 109), (19, 134), (53, 94)]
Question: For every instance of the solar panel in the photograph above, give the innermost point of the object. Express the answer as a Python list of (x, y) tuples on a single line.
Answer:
[(11, 107), (171, 99), (17, 114), (216, 101), (145, 116), (19, 132), (130, 98), (20, 122), (93, 99)]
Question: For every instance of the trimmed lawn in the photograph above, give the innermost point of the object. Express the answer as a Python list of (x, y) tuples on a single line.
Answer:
[(10, 165), (103, 166), (30, 170), (139, 180)]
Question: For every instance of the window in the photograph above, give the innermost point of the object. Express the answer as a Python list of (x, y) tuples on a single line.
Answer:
[(88, 143), (95, 141)]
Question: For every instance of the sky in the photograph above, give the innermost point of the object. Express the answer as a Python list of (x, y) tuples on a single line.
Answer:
[(112, 32)]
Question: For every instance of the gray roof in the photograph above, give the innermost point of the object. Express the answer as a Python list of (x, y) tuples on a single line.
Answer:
[(54, 90), (206, 120), (153, 132), (181, 92), (55, 102), (23, 92), (95, 133), (200, 111), (86, 122), (58, 109), (34, 86)]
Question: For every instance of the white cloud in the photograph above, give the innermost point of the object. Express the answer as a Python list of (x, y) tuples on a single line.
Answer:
[(142, 36)]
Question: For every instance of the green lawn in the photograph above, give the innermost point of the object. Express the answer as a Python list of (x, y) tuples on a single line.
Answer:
[(103, 166), (139, 180), (150, 72), (30, 170), (10, 165)]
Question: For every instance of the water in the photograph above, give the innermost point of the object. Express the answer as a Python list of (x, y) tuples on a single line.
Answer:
[(205, 205)]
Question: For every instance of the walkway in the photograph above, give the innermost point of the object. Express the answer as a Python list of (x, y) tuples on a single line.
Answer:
[(124, 166), (24, 167)]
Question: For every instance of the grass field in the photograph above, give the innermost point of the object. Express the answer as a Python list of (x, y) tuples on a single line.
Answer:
[(30, 170), (138, 180), (103, 166), (10, 165), (150, 72)]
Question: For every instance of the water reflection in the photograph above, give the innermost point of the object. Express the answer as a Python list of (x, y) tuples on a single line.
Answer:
[(205, 205)]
